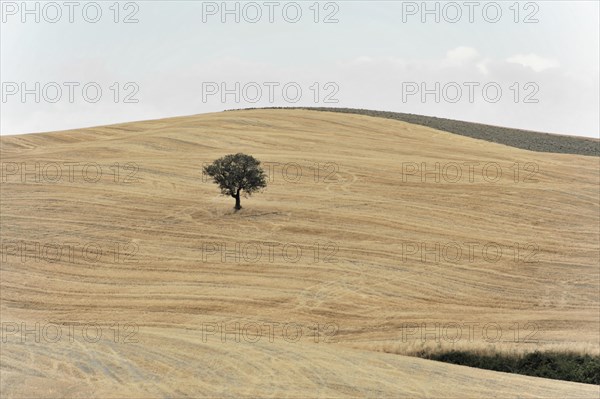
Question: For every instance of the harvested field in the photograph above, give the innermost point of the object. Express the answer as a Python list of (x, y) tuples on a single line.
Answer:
[(359, 235)]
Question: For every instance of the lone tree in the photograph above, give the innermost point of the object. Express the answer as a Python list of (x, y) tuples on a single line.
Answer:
[(234, 173)]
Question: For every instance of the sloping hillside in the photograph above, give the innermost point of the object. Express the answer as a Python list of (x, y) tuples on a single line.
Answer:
[(352, 246), (518, 138)]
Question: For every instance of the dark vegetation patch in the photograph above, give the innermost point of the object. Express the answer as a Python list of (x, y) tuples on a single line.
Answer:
[(554, 365)]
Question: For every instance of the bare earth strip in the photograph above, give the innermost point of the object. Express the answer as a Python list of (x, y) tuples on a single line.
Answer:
[(361, 298)]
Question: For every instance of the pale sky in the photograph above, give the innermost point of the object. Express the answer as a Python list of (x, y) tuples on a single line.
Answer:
[(530, 65)]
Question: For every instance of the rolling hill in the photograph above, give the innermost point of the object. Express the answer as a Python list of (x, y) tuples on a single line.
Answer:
[(375, 240)]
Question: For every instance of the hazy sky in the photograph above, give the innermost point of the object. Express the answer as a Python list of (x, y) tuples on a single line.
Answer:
[(531, 65)]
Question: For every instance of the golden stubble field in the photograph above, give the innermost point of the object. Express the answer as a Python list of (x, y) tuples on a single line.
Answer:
[(351, 259)]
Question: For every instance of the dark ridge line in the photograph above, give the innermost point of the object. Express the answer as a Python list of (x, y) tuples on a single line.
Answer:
[(518, 138)]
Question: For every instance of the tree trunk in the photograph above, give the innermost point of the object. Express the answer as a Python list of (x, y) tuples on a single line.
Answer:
[(237, 201)]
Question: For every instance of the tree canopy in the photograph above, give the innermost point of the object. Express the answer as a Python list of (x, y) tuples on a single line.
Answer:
[(237, 173)]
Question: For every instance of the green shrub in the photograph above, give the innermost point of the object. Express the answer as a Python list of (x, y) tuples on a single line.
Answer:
[(554, 365)]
